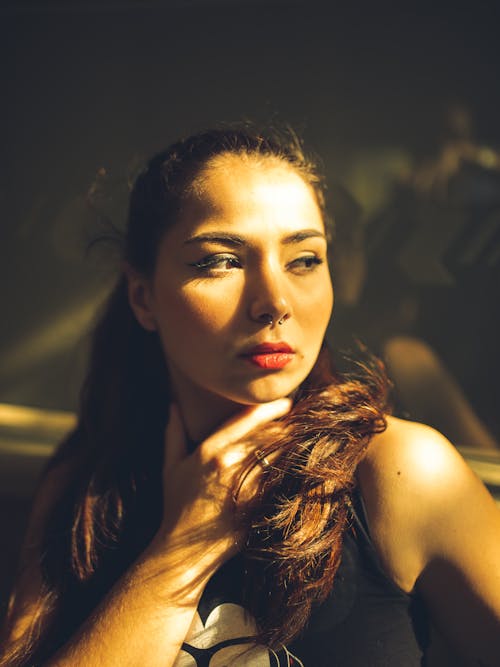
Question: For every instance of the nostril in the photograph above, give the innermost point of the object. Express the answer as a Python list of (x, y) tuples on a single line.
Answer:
[(265, 318)]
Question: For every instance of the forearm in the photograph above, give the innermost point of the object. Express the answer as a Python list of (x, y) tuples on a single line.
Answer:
[(146, 616)]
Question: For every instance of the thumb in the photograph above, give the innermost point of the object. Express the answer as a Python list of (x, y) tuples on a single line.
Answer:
[(238, 426), (175, 439)]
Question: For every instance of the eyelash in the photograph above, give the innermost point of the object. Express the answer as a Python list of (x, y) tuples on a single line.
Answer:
[(211, 261), (309, 262), (305, 264)]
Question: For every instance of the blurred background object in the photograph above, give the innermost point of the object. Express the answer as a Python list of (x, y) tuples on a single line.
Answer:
[(418, 282)]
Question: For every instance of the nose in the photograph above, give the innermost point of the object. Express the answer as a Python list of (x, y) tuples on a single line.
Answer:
[(268, 300)]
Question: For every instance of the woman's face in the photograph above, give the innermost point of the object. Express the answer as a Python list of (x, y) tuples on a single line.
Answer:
[(249, 247)]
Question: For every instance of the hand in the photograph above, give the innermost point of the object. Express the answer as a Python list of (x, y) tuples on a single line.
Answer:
[(199, 512)]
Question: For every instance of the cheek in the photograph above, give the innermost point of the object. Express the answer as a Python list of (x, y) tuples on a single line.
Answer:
[(328, 301), (187, 314), (316, 307)]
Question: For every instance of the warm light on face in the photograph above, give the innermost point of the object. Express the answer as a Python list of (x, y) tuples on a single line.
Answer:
[(249, 241)]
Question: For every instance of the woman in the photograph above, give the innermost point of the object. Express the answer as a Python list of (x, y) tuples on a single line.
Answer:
[(276, 486)]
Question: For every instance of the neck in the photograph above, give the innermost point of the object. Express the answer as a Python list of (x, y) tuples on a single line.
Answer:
[(202, 411)]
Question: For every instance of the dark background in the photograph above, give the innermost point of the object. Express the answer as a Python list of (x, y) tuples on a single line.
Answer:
[(89, 90)]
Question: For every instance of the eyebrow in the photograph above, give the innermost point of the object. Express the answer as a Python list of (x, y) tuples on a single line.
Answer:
[(234, 240)]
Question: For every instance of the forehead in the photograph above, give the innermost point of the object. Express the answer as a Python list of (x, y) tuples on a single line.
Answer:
[(247, 190)]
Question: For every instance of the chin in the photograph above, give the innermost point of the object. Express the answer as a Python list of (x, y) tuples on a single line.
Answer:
[(266, 390)]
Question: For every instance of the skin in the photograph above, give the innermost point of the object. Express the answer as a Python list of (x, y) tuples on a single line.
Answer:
[(435, 527), (267, 257), (437, 531)]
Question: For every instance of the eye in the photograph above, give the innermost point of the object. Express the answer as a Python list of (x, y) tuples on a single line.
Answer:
[(218, 263), (305, 264)]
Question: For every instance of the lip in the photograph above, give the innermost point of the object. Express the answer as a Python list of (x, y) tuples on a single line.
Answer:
[(269, 348), (270, 356)]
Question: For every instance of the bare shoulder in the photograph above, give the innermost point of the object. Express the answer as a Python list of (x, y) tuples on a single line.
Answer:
[(415, 456), (420, 496), (436, 529)]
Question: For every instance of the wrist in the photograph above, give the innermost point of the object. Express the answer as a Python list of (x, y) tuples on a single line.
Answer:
[(185, 565)]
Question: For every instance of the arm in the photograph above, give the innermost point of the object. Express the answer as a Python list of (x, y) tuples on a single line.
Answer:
[(437, 530), (146, 616)]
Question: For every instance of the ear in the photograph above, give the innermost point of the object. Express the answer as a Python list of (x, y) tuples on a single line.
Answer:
[(140, 298)]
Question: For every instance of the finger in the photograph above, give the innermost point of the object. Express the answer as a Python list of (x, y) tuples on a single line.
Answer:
[(247, 420), (175, 439)]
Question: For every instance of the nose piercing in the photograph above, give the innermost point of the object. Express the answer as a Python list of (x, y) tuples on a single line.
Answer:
[(269, 319)]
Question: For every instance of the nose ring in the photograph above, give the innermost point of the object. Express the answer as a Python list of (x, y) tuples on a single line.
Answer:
[(269, 319)]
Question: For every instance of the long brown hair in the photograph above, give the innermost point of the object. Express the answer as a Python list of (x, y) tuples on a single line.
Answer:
[(112, 501)]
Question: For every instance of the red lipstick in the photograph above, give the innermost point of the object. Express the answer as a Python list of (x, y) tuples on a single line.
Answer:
[(272, 356)]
